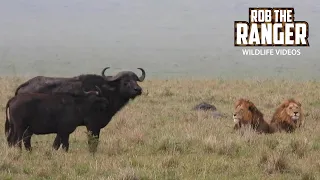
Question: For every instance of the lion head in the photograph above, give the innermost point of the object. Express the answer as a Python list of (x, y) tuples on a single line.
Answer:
[(288, 116), (246, 113)]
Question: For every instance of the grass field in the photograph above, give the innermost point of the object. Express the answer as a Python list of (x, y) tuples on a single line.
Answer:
[(158, 136)]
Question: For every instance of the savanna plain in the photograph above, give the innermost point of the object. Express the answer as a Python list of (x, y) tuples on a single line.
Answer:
[(159, 136)]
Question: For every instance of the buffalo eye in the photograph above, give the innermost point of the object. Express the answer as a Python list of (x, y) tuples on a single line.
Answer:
[(126, 83)]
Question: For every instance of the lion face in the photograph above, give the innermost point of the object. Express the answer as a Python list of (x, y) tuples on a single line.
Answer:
[(242, 111), (240, 114), (288, 116), (246, 113), (294, 111)]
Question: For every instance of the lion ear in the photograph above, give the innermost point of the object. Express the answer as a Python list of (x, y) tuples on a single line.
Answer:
[(238, 102), (285, 104), (299, 104), (252, 108)]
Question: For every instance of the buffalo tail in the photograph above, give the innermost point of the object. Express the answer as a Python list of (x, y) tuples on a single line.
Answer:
[(8, 125)]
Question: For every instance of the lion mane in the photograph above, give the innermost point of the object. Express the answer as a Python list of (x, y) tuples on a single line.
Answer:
[(288, 116), (246, 113)]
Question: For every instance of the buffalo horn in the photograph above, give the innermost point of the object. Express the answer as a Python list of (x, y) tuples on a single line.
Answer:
[(121, 74), (141, 78), (89, 92), (103, 71), (99, 90)]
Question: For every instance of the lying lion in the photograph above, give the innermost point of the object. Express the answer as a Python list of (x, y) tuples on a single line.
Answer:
[(287, 117), (246, 113)]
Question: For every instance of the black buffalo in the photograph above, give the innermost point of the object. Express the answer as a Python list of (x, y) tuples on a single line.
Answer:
[(118, 90), (35, 113)]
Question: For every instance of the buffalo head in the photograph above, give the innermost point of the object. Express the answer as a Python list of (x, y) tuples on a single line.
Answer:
[(126, 82), (98, 101)]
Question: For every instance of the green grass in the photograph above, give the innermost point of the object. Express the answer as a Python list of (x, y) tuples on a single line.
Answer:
[(158, 136)]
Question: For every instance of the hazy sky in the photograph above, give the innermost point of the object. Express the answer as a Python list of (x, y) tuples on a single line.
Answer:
[(167, 37)]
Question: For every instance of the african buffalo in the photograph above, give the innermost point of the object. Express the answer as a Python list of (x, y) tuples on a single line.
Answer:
[(121, 88), (118, 90), (35, 113)]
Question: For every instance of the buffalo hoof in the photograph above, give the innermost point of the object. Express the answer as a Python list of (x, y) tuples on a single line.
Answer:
[(29, 149)]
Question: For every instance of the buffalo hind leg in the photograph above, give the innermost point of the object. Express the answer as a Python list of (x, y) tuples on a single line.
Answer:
[(57, 142), (93, 140), (27, 140), (65, 142), (12, 137), (18, 138)]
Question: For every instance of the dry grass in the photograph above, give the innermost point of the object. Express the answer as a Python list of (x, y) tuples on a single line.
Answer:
[(158, 136)]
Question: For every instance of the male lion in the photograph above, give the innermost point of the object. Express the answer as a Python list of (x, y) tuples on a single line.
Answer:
[(246, 113), (288, 116)]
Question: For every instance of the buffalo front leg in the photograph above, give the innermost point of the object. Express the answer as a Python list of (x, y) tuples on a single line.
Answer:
[(57, 142), (27, 140), (65, 142), (93, 139)]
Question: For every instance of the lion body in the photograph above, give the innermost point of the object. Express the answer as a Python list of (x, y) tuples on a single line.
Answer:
[(246, 113), (288, 116)]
